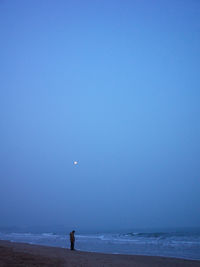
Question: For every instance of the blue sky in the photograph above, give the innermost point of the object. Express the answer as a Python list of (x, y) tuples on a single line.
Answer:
[(113, 85)]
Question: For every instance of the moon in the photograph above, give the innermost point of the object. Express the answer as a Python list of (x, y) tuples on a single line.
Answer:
[(75, 162)]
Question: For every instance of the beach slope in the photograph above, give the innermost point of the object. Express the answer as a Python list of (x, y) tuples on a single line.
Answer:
[(20, 254)]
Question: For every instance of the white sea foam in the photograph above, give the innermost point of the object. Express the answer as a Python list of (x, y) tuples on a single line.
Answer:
[(181, 244)]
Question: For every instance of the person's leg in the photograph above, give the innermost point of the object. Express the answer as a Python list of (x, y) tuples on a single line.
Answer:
[(72, 245)]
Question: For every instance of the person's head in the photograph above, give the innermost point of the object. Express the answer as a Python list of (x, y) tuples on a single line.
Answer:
[(73, 231)]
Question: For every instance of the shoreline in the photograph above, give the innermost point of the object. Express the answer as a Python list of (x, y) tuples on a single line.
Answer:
[(23, 254)]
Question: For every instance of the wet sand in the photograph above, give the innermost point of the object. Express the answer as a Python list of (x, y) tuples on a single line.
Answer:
[(20, 254)]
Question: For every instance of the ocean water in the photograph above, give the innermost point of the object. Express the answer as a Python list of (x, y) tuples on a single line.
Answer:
[(179, 244)]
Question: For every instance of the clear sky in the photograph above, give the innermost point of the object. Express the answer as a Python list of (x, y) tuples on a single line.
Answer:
[(114, 85)]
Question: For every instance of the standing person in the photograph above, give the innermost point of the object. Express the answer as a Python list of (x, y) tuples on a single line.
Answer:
[(72, 239)]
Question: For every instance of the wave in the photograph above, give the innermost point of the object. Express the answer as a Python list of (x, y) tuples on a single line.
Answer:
[(156, 234), (179, 244), (163, 234)]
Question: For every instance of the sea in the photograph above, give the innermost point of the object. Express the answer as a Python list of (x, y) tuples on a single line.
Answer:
[(178, 243)]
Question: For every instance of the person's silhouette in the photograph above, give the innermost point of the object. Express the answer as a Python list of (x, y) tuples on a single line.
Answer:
[(72, 239)]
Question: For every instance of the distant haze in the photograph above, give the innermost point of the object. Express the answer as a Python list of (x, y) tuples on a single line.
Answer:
[(114, 86)]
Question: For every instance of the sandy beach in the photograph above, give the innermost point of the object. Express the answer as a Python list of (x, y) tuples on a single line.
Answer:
[(20, 254)]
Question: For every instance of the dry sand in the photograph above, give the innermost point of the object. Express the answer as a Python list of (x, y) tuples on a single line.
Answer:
[(20, 254)]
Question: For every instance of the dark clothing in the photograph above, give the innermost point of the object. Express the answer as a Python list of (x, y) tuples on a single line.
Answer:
[(72, 245), (72, 240)]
